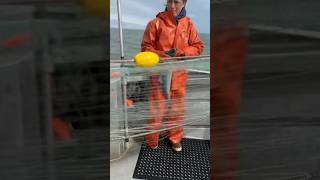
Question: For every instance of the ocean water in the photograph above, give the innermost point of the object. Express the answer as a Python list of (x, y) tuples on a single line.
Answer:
[(132, 40)]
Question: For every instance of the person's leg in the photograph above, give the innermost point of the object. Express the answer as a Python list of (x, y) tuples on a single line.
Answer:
[(177, 106), (157, 110)]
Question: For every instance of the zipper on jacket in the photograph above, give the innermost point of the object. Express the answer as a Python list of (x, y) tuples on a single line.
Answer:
[(175, 35)]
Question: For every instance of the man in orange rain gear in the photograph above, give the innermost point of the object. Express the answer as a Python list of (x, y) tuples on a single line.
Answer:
[(171, 33)]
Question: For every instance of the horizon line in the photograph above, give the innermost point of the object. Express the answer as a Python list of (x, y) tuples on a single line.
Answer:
[(143, 29)]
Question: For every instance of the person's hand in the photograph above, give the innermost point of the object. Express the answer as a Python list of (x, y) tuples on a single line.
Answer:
[(179, 52), (163, 55), (175, 52), (171, 52)]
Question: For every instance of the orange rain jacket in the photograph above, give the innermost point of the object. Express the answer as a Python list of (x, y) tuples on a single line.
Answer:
[(162, 34)]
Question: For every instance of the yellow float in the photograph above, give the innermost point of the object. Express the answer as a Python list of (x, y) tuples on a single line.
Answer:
[(146, 59)]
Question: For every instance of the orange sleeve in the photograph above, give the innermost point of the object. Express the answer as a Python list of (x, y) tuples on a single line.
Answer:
[(195, 47), (149, 40)]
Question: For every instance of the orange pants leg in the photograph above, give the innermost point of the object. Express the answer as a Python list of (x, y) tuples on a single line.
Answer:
[(157, 111), (177, 109)]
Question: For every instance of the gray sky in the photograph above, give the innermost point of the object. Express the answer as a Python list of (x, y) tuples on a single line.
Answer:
[(137, 13)]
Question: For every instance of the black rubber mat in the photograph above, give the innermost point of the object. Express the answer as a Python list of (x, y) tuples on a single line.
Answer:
[(192, 163)]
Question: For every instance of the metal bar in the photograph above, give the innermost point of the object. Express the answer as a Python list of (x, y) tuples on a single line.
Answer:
[(125, 110), (164, 59), (184, 57), (200, 71), (120, 28)]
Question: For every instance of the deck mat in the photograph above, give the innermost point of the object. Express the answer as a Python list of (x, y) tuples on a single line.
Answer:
[(192, 163)]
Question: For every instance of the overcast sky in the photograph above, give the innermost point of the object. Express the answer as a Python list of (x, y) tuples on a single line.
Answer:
[(137, 13)]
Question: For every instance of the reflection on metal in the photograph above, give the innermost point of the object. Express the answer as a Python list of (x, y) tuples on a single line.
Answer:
[(287, 31)]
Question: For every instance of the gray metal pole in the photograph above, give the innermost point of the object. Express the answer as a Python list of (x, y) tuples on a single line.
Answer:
[(124, 82), (125, 110), (120, 28)]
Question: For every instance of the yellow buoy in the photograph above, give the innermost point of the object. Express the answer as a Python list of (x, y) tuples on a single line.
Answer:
[(146, 59)]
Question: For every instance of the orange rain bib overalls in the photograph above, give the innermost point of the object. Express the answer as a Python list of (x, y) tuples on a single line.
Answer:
[(162, 34)]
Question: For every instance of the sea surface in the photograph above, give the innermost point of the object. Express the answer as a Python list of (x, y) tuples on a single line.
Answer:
[(132, 40)]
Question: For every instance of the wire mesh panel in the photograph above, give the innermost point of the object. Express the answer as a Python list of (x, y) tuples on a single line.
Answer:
[(54, 97), (23, 114), (160, 99), (117, 110)]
